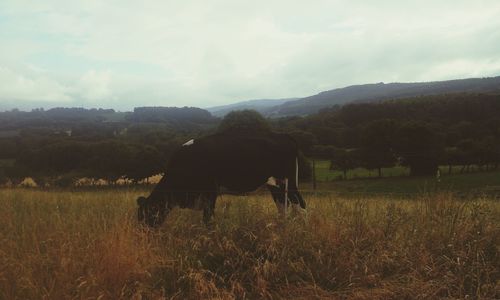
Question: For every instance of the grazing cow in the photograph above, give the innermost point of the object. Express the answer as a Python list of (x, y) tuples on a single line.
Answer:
[(201, 168)]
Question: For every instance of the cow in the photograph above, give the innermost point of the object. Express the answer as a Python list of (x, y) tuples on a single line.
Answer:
[(202, 168)]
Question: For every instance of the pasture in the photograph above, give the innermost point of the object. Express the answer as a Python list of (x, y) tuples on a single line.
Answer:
[(86, 244), (323, 172), (463, 185)]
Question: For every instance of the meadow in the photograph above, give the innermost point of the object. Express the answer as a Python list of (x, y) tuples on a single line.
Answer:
[(87, 245), (462, 185), (323, 172)]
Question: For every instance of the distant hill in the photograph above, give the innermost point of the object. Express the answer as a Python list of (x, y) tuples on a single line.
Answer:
[(382, 91), (260, 105)]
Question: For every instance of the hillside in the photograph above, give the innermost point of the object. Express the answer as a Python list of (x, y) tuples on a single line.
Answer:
[(260, 105), (382, 91)]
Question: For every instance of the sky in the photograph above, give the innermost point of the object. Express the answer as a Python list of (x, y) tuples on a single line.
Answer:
[(125, 54)]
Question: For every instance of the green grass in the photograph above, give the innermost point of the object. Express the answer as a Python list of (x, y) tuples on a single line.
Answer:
[(397, 181), (323, 172), (87, 245), (462, 184)]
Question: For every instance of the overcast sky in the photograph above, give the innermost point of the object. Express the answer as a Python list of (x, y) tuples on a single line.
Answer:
[(122, 54)]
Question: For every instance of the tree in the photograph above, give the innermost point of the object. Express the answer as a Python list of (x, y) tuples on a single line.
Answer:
[(243, 121), (145, 161), (419, 148), (305, 140), (172, 115), (451, 156), (109, 160), (468, 153), (326, 135), (305, 168), (54, 159), (489, 151), (17, 173), (344, 160), (376, 139), (7, 148), (340, 159), (324, 151)]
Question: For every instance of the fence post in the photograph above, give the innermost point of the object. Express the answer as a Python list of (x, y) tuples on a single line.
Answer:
[(286, 196), (314, 174)]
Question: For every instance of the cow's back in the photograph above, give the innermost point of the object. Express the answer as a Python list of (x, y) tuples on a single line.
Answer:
[(240, 163)]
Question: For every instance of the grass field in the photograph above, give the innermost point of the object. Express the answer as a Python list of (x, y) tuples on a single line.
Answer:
[(463, 185), (87, 245), (323, 172)]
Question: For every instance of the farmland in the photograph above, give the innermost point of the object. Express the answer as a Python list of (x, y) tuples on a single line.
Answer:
[(86, 244), (324, 173), (151, 150), (465, 184)]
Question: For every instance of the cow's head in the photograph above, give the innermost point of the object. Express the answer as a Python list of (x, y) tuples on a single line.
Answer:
[(151, 212)]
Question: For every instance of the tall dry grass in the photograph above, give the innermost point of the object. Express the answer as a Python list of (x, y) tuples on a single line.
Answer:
[(87, 245)]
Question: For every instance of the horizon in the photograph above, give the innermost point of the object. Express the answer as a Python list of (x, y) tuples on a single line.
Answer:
[(198, 55), (232, 103)]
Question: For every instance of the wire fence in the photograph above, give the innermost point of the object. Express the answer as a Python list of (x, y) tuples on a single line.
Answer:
[(490, 192), (432, 188)]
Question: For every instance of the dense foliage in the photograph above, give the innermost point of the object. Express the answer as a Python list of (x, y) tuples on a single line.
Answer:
[(64, 144), (420, 133)]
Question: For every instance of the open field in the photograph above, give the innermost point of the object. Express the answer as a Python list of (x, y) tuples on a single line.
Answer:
[(81, 245), (464, 185), (323, 172)]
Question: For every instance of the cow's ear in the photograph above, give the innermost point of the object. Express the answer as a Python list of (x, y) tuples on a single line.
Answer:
[(141, 201)]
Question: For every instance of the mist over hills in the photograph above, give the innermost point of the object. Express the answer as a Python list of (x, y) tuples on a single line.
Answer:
[(260, 105), (360, 93), (276, 108), (382, 91)]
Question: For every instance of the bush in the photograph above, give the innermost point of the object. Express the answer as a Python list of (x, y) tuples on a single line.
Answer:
[(243, 121)]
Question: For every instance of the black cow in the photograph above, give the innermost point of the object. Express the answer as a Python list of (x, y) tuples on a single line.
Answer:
[(201, 168)]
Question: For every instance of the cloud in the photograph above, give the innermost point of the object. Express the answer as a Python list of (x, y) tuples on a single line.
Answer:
[(195, 53), (94, 86), (15, 86)]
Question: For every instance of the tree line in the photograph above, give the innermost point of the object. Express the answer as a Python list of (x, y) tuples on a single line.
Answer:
[(420, 133), (59, 145)]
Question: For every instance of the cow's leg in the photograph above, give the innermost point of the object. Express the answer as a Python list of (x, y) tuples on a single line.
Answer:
[(296, 198), (278, 198), (293, 187), (209, 206), (293, 197)]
